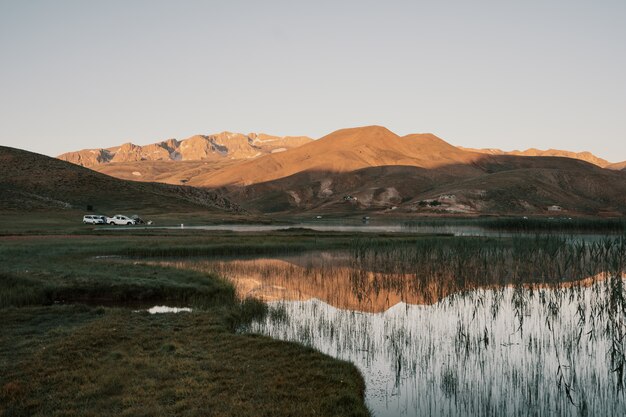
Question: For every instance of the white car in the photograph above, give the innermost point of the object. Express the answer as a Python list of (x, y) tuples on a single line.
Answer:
[(94, 219), (120, 219)]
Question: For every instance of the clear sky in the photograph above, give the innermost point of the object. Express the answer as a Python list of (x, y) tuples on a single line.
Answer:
[(508, 74)]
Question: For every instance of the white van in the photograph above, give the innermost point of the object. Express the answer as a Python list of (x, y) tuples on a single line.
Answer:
[(94, 219)]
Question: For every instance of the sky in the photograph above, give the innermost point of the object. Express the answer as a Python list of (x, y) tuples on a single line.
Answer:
[(499, 74)]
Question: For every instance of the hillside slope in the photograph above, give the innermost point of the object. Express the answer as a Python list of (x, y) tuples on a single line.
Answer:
[(371, 168), (32, 181), (583, 156), (343, 151), (169, 172)]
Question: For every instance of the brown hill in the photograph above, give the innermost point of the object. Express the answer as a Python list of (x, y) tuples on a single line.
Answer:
[(371, 168), (343, 151), (32, 181), (618, 166), (583, 156), (221, 146), (169, 172)]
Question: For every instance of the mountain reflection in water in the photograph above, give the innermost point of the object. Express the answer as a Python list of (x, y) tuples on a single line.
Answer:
[(438, 332)]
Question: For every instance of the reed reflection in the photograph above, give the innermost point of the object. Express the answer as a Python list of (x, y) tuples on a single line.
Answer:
[(455, 327)]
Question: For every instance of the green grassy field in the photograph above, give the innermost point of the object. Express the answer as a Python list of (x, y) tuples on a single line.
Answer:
[(71, 342), (560, 224), (47, 222)]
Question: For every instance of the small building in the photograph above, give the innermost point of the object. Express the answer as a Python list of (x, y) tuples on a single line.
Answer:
[(555, 208)]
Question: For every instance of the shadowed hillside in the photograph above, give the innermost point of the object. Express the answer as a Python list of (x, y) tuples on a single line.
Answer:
[(583, 156), (33, 181), (371, 168), (344, 151)]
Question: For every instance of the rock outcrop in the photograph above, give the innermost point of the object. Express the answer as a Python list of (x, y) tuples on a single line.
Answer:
[(220, 146)]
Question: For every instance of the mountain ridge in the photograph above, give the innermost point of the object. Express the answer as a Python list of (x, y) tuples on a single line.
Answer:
[(371, 168), (219, 146), (583, 156), (342, 151)]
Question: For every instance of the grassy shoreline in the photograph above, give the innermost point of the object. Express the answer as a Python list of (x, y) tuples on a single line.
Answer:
[(61, 354), (71, 344)]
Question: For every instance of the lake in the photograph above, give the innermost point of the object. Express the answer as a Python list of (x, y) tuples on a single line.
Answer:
[(455, 326)]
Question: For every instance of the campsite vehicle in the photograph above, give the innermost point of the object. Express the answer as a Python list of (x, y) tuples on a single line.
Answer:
[(137, 219), (120, 219), (94, 219)]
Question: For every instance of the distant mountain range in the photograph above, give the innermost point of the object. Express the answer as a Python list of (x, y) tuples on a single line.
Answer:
[(220, 146), (583, 156), (371, 169)]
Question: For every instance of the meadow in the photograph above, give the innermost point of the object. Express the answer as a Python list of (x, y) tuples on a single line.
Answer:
[(299, 322), (75, 341)]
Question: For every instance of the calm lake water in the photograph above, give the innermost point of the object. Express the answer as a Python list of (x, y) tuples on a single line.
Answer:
[(358, 227), (452, 330), (347, 227)]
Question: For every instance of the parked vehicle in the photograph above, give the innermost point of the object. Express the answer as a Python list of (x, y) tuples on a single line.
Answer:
[(137, 219), (94, 219), (120, 219)]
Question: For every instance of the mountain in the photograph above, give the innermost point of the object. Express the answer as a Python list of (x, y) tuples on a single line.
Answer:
[(169, 172), (583, 156), (30, 181), (618, 166), (373, 169), (217, 147), (343, 151)]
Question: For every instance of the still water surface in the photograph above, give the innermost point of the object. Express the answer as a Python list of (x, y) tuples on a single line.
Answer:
[(430, 341)]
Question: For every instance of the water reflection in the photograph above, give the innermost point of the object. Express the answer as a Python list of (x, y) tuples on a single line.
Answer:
[(326, 276), (456, 358), (166, 309), (456, 328)]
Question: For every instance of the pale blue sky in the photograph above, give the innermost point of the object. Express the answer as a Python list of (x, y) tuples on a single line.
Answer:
[(508, 74)]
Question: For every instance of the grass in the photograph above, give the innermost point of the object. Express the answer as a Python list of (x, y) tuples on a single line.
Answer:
[(95, 361), (70, 343), (455, 268), (62, 353), (64, 270), (541, 317), (49, 222), (41, 270), (462, 264), (531, 225)]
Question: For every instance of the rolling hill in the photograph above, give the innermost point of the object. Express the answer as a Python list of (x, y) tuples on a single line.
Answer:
[(373, 169), (583, 156), (30, 181), (343, 151), (370, 168)]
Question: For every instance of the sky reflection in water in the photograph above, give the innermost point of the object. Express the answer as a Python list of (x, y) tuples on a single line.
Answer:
[(444, 349)]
